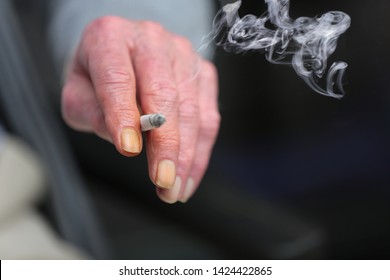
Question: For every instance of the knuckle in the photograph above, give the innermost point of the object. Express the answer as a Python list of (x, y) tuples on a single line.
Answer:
[(210, 125), (105, 23), (188, 109), (125, 111), (113, 75), (114, 80), (167, 140), (216, 118), (152, 27), (101, 32), (120, 115), (183, 43), (163, 92), (165, 87)]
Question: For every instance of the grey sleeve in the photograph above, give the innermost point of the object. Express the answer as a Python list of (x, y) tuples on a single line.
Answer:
[(192, 19)]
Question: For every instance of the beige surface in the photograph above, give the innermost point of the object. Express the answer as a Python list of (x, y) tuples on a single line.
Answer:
[(24, 234)]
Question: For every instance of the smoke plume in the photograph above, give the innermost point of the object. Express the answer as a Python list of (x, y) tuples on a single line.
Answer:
[(305, 43)]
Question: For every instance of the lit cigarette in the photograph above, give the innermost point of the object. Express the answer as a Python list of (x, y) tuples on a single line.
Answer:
[(152, 121)]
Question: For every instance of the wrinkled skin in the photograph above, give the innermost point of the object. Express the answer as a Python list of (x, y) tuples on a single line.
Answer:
[(122, 67)]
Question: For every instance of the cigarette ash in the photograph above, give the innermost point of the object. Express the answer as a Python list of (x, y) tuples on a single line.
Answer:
[(157, 120)]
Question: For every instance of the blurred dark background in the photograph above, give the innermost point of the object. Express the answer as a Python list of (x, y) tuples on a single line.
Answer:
[(308, 178)]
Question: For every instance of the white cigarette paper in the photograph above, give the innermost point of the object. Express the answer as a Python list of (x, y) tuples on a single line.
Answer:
[(152, 121)]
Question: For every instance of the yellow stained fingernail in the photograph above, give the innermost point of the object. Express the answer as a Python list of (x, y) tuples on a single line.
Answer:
[(130, 141), (170, 195), (188, 191), (166, 174)]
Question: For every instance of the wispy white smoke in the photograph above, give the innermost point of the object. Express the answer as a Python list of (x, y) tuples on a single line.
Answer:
[(305, 43)]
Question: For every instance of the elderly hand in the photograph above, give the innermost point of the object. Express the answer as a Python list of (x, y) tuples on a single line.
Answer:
[(122, 67)]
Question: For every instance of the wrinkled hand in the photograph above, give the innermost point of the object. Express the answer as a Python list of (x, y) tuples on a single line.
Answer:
[(122, 66)]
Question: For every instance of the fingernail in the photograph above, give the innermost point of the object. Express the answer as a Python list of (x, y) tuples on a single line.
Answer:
[(170, 195), (188, 191), (166, 174), (130, 141)]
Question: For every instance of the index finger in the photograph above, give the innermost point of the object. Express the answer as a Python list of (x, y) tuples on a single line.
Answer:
[(106, 57)]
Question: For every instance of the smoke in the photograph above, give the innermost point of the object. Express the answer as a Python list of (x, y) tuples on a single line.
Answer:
[(305, 43)]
